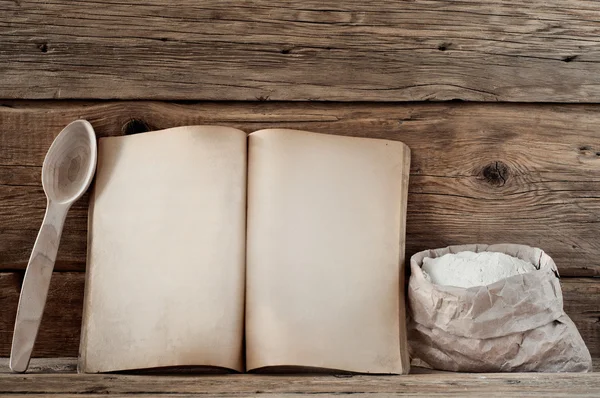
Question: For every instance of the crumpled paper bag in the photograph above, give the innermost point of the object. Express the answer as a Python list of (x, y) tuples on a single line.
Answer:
[(516, 324)]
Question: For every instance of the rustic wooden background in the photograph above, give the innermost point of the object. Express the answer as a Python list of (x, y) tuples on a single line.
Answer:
[(509, 150)]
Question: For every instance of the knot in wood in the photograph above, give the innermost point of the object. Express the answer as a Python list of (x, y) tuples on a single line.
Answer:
[(135, 126), (495, 173)]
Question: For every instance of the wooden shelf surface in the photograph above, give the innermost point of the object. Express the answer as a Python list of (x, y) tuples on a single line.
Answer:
[(57, 377)]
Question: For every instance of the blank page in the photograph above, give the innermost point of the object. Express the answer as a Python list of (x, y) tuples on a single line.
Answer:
[(325, 252), (166, 252)]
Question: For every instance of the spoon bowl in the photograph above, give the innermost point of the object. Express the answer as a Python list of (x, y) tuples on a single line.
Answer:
[(67, 172), (70, 163)]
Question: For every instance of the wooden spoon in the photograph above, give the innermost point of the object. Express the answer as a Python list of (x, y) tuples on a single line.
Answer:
[(66, 174)]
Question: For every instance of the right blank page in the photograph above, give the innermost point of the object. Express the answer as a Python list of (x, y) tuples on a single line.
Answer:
[(325, 252)]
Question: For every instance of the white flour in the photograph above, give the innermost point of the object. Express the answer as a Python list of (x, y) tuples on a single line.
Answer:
[(468, 269)]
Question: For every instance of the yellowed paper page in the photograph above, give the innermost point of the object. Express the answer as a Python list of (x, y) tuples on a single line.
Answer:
[(165, 277), (325, 252)]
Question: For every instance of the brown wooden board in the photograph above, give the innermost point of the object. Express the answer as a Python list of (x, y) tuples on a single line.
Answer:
[(444, 384), (350, 50), (59, 332), (481, 173), (51, 365)]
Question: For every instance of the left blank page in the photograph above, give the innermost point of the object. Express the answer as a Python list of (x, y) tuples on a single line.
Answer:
[(166, 251)]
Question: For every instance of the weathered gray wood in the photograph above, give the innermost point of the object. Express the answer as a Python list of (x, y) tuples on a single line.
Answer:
[(59, 331), (350, 50), (485, 173), (438, 384)]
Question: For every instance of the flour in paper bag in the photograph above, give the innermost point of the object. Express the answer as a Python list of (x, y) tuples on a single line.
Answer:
[(467, 269)]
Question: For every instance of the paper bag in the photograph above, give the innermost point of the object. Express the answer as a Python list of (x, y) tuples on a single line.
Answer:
[(516, 324)]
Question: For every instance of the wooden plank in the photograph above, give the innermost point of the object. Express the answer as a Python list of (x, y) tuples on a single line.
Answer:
[(581, 297), (481, 173), (44, 365), (514, 391), (59, 331), (352, 50), (449, 384)]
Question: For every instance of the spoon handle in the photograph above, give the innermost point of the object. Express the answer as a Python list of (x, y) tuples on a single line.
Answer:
[(35, 286)]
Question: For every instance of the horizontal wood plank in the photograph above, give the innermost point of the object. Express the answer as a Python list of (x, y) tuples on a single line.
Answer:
[(481, 173), (581, 297), (351, 50), (419, 385), (44, 365), (59, 331)]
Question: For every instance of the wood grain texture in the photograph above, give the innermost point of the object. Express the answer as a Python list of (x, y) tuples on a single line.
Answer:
[(242, 385), (60, 328), (517, 50), (581, 297), (481, 173), (47, 365), (59, 331)]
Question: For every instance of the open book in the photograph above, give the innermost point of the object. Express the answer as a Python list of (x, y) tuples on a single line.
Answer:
[(203, 237)]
